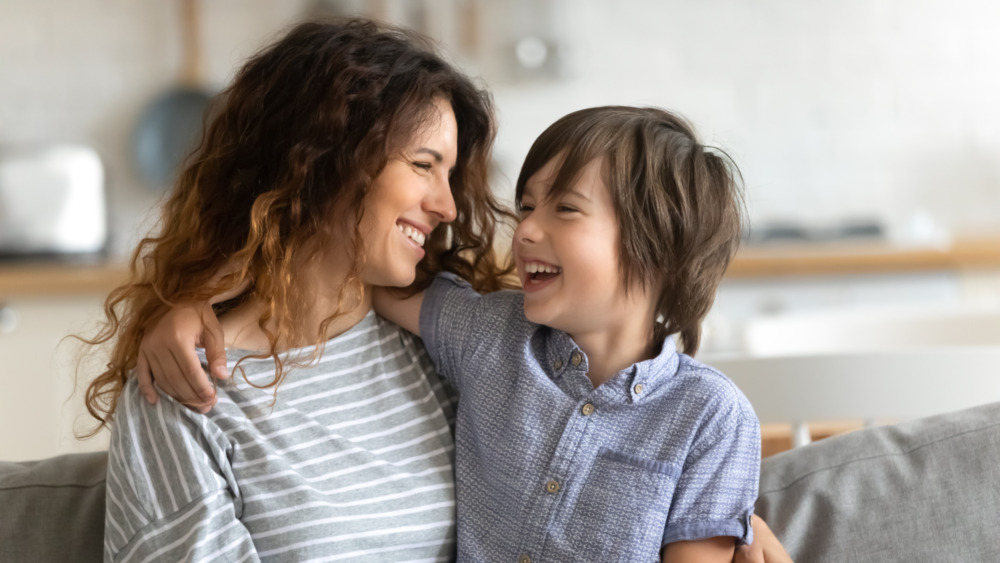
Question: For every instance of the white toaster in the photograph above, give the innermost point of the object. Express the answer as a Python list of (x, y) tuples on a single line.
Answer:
[(52, 201)]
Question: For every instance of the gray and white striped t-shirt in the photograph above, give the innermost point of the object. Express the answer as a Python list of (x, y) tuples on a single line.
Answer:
[(352, 461)]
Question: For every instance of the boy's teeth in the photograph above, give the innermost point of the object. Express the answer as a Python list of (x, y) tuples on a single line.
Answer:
[(535, 267), (415, 235)]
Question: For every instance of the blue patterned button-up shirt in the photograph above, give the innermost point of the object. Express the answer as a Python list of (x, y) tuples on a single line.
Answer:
[(548, 468)]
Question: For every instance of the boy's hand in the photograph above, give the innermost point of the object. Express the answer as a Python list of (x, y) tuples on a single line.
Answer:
[(167, 353)]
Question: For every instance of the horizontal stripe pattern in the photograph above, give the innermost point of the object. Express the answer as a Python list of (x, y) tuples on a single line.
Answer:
[(351, 460)]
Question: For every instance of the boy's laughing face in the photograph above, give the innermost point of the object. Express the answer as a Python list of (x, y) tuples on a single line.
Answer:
[(566, 249)]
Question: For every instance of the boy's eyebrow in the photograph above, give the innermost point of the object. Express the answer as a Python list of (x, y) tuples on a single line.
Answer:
[(574, 191)]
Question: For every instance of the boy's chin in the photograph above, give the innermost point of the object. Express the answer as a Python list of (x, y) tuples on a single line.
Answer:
[(539, 316)]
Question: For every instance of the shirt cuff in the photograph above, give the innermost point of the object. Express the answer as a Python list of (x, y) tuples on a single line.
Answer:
[(738, 528)]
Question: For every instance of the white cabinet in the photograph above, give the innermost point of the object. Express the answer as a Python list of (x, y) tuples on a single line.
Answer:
[(742, 299), (41, 405)]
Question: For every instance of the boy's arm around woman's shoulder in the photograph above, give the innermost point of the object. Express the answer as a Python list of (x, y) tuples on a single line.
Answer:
[(404, 311)]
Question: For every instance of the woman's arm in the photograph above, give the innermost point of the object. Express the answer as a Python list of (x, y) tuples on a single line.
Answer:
[(167, 499), (765, 547)]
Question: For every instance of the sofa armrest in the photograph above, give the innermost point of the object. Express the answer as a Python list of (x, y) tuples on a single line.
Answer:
[(923, 490), (53, 509)]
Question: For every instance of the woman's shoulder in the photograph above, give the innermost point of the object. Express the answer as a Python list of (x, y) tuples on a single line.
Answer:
[(146, 430)]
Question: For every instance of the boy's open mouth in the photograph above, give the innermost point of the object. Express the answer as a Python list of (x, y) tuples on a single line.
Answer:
[(540, 271)]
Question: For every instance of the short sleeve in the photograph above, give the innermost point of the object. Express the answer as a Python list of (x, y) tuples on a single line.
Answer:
[(447, 321), (717, 489), (169, 490)]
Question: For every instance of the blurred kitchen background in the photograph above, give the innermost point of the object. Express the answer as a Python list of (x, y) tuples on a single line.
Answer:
[(868, 133)]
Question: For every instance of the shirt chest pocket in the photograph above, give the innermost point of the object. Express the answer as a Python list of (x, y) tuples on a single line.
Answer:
[(622, 509)]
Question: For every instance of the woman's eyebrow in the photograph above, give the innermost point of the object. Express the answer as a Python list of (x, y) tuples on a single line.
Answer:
[(437, 156)]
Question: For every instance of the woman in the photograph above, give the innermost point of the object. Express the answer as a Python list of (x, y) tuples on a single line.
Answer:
[(324, 171)]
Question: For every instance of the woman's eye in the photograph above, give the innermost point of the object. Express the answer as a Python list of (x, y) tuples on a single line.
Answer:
[(425, 166)]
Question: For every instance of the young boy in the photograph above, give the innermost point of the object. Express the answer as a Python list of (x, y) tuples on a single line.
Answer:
[(582, 433)]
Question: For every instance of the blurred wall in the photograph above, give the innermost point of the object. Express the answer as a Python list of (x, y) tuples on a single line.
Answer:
[(832, 109), (83, 71)]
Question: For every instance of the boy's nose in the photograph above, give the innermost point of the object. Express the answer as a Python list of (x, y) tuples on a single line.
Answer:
[(527, 230)]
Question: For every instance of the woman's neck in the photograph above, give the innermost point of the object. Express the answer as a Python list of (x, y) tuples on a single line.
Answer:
[(242, 329), (321, 289)]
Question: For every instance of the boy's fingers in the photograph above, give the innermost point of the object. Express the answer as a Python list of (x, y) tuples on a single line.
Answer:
[(145, 379), (189, 385), (194, 375), (159, 375), (215, 349)]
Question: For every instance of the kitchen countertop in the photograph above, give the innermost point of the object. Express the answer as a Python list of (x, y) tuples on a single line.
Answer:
[(49, 279)]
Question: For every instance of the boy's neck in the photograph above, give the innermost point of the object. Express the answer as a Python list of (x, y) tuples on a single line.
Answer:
[(610, 351)]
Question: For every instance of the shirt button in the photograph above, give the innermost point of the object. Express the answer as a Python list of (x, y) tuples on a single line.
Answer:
[(524, 558), (587, 409), (552, 486), (575, 359), (637, 388), (557, 364)]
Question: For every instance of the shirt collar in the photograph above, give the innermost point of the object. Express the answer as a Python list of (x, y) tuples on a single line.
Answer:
[(649, 375), (630, 385)]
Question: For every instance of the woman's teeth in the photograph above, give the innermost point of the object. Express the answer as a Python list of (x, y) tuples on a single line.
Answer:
[(537, 268), (415, 235)]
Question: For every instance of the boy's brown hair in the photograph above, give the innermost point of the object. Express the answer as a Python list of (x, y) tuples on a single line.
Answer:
[(679, 204)]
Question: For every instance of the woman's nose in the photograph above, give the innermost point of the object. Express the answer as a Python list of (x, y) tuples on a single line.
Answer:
[(441, 202)]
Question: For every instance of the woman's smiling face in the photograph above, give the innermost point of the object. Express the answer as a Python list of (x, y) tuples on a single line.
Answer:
[(409, 199)]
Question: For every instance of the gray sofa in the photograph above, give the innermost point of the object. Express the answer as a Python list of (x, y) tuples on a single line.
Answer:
[(925, 490)]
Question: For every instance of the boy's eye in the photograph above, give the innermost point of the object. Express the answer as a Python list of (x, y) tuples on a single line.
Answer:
[(566, 209), (525, 208)]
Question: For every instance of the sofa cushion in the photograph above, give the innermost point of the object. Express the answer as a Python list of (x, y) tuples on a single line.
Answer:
[(53, 510), (923, 490)]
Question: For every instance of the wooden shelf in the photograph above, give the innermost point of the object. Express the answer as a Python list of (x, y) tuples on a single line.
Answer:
[(805, 260), (776, 438), (43, 279)]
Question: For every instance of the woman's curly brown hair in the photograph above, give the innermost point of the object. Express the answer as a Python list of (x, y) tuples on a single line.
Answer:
[(295, 140)]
